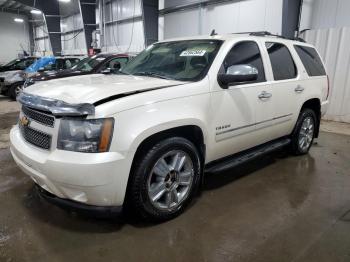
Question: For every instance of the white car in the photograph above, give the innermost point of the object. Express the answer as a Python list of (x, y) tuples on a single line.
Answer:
[(143, 138)]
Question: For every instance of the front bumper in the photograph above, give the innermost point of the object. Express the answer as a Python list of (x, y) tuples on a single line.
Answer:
[(91, 179), (70, 205)]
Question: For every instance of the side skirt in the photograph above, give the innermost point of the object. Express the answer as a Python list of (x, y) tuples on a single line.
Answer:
[(245, 156)]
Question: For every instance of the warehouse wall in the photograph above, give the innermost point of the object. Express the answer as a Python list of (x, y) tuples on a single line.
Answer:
[(127, 36), (330, 33), (12, 36), (73, 39), (322, 14), (333, 45), (42, 46), (229, 17)]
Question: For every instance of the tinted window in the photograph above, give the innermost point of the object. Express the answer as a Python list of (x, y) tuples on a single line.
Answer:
[(245, 53), (89, 63), (282, 63), (311, 60)]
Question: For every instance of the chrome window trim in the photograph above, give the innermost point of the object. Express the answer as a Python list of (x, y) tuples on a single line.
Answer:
[(55, 107)]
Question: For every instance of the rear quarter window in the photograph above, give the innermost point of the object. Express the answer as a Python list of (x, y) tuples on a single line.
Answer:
[(311, 60)]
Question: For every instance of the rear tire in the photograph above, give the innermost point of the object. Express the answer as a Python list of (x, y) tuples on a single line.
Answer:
[(304, 132), (164, 179)]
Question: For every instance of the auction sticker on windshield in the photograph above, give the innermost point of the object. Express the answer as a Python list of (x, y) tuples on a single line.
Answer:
[(193, 53)]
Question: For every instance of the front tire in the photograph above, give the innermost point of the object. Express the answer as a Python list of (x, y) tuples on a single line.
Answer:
[(14, 91), (304, 132), (164, 179)]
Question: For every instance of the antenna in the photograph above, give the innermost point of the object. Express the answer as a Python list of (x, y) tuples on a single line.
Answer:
[(213, 32)]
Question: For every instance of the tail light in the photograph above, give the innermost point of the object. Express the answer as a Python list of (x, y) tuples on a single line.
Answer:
[(328, 87)]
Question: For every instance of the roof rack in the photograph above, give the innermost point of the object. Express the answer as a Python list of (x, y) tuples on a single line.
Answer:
[(266, 33)]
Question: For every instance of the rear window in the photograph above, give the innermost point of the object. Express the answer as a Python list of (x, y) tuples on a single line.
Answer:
[(282, 63), (311, 60)]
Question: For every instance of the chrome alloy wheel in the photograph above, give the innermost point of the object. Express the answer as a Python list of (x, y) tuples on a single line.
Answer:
[(170, 181), (306, 133)]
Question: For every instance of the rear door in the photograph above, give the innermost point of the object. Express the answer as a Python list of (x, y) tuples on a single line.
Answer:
[(285, 88)]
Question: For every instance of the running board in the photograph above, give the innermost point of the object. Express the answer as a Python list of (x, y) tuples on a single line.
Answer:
[(248, 155)]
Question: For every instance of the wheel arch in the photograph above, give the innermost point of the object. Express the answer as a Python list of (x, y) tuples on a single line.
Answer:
[(315, 105), (193, 133)]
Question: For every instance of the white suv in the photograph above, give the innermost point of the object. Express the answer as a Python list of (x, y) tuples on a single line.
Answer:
[(143, 138)]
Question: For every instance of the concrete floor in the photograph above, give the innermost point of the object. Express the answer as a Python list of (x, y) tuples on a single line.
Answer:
[(278, 208)]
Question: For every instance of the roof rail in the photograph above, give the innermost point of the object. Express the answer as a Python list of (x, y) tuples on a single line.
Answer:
[(266, 33)]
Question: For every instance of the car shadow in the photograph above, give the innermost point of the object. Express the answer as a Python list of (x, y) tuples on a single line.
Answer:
[(6, 99)]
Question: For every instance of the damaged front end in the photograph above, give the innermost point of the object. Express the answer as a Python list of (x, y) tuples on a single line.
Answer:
[(54, 106)]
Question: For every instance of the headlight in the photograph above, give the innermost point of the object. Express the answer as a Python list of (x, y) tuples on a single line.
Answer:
[(85, 135)]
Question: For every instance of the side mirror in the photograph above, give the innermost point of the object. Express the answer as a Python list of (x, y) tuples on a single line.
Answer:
[(238, 74)]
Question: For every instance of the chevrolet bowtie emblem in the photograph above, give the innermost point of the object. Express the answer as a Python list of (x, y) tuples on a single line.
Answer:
[(24, 121)]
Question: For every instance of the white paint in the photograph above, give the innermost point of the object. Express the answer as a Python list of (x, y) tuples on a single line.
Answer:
[(12, 36), (238, 16), (333, 45), (202, 103)]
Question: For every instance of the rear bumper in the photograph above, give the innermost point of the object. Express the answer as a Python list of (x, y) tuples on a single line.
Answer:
[(99, 211), (324, 107)]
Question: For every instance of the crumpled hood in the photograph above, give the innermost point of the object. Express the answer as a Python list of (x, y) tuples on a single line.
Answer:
[(93, 88)]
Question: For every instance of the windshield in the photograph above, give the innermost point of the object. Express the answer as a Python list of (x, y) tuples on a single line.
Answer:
[(14, 61), (20, 64), (89, 63), (179, 60)]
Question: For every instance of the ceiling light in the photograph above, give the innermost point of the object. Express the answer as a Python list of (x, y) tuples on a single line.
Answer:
[(64, 1), (36, 12), (18, 20)]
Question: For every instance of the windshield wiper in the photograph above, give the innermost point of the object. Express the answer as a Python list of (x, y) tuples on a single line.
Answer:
[(152, 74)]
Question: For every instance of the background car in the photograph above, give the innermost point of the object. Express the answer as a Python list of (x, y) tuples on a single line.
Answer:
[(90, 65), (18, 64), (12, 82)]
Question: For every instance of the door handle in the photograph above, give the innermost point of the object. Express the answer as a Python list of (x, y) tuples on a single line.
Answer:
[(299, 89), (265, 95)]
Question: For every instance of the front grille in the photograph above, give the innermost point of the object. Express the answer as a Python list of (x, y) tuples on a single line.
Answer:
[(37, 116), (35, 137)]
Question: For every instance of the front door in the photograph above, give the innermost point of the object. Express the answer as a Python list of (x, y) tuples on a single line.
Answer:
[(235, 109)]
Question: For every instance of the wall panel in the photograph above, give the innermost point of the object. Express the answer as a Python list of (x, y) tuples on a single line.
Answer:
[(13, 36), (333, 45), (125, 36), (229, 17), (73, 39)]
